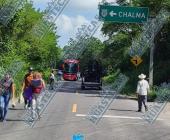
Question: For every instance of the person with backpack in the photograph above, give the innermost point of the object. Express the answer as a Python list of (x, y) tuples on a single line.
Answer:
[(27, 88), (37, 84), (7, 91)]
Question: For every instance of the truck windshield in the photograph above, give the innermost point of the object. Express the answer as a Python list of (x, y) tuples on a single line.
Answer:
[(71, 68)]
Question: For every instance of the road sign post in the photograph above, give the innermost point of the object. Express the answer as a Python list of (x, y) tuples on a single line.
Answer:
[(123, 14)]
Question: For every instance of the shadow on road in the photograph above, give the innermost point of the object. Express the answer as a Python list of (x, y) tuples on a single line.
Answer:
[(89, 91), (111, 95), (16, 109), (123, 110), (66, 90), (14, 120)]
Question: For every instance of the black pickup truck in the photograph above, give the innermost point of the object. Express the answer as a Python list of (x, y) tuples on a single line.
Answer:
[(92, 76)]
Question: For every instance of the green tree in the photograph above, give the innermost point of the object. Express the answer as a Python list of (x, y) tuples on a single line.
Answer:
[(17, 42), (120, 39)]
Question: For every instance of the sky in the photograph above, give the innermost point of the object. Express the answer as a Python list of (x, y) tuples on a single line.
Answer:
[(76, 13)]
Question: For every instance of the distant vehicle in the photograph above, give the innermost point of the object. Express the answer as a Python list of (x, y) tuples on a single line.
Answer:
[(70, 69), (91, 77)]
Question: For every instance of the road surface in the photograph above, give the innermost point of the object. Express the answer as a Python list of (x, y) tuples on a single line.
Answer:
[(65, 116)]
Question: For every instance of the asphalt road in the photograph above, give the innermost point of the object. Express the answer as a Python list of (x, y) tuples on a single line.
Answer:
[(65, 116)]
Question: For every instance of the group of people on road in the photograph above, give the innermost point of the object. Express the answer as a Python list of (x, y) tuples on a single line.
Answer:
[(33, 84), (32, 87)]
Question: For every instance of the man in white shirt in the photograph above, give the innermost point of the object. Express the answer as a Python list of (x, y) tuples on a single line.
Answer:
[(142, 91)]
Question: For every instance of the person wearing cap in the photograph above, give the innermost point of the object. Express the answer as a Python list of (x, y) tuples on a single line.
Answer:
[(27, 88), (142, 91)]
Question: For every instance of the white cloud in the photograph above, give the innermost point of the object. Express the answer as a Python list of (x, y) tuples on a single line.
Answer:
[(73, 4), (67, 27), (68, 24), (42, 4), (75, 14), (64, 24), (86, 4)]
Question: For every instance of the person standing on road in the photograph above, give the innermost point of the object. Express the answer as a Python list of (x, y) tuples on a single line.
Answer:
[(37, 85), (78, 75), (60, 74), (7, 91), (27, 89), (52, 80), (142, 91)]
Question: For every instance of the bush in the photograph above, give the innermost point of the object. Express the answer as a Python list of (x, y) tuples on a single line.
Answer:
[(46, 74), (152, 94), (110, 78)]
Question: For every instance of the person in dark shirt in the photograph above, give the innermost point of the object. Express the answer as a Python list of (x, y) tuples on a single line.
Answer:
[(7, 90), (27, 88)]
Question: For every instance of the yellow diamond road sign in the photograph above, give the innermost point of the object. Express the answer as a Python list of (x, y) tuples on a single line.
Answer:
[(136, 60)]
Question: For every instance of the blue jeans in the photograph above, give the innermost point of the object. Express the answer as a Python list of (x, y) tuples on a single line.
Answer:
[(4, 102), (142, 99)]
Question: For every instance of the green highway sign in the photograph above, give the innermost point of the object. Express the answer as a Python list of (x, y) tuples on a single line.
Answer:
[(123, 14)]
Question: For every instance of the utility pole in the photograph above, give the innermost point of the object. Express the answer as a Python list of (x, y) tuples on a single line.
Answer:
[(151, 64)]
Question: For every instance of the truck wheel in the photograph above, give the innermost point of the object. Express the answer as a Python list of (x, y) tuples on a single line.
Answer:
[(82, 87), (100, 88)]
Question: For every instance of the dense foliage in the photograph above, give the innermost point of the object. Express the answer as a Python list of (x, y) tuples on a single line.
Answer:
[(120, 39), (18, 43)]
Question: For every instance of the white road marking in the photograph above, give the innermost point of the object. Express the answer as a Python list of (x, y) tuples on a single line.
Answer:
[(111, 116)]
